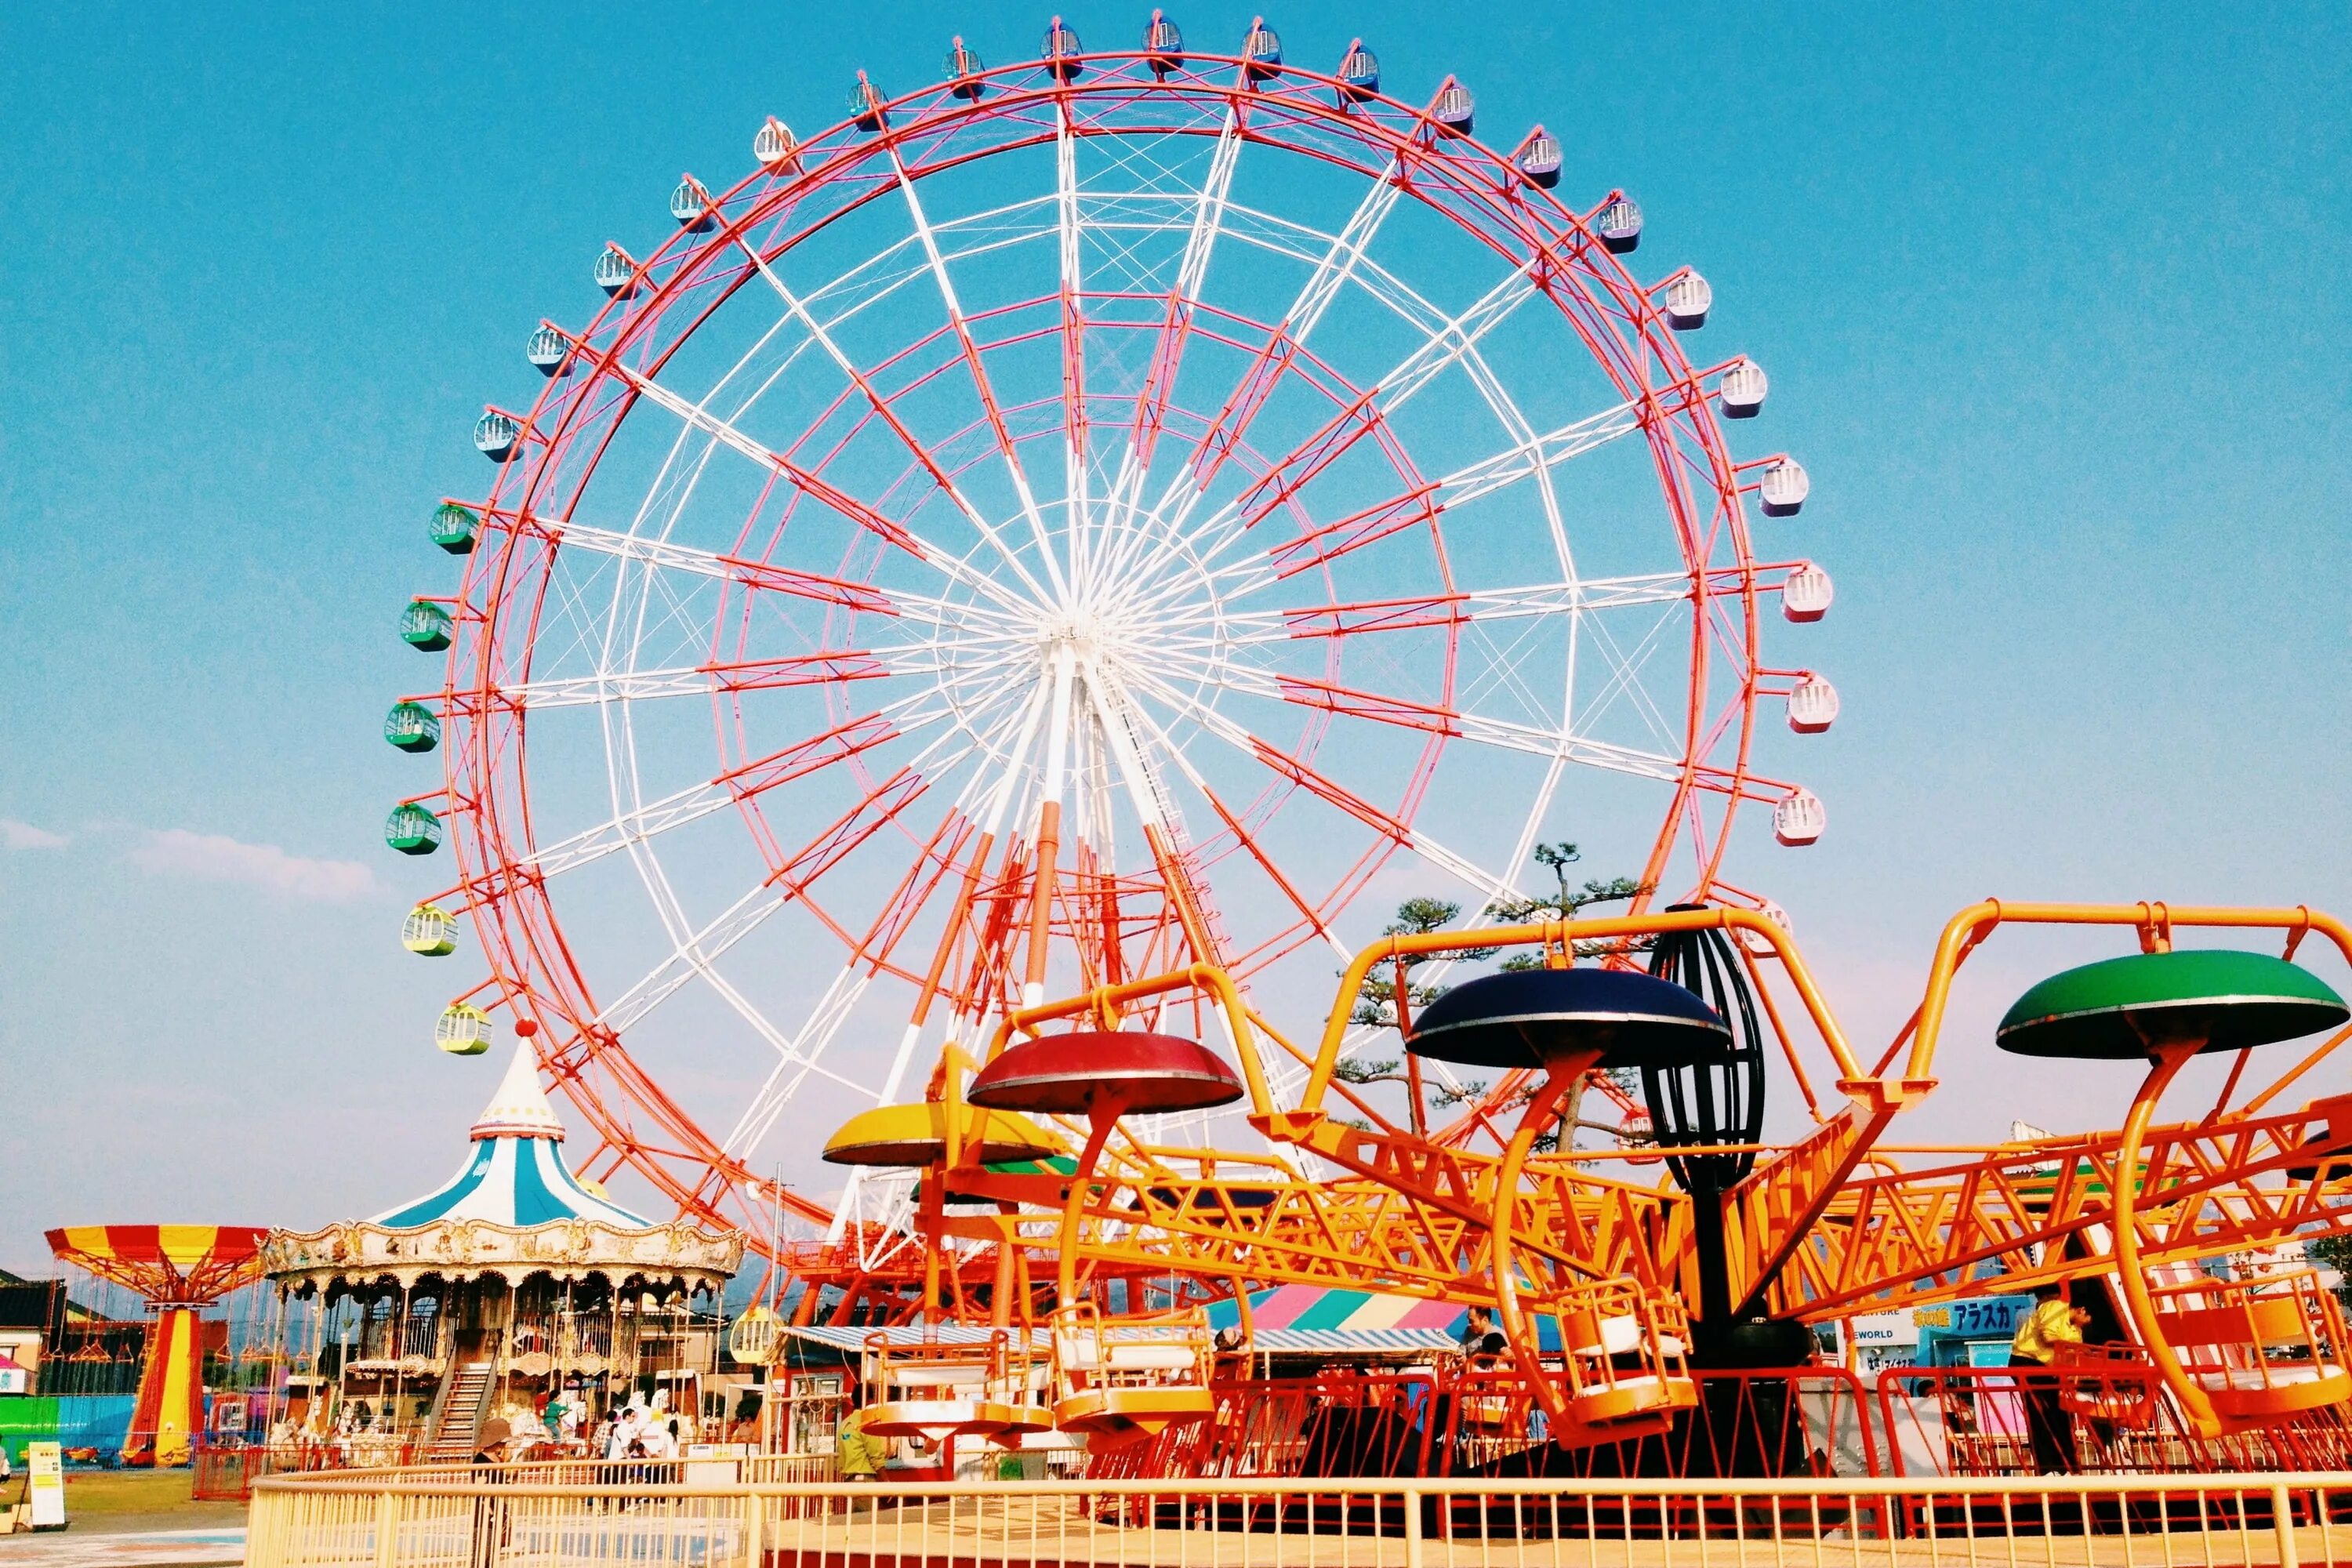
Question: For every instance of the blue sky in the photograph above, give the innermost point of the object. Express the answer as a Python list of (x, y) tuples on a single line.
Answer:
[(2053, 299)]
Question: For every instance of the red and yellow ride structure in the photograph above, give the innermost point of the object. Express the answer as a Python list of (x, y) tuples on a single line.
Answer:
[(178, 1270), (1342, 1191)]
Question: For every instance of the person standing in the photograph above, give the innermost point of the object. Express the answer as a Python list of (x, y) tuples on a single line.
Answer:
[(859, 1457), (2041, 1334)]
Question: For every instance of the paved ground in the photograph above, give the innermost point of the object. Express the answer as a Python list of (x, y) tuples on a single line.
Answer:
[(124, 1518), (105, 1544)]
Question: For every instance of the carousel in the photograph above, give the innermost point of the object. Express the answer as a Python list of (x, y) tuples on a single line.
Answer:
[(517, 1292)]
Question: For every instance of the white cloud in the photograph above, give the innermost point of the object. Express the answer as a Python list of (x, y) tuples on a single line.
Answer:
[(16, 834), (214, 857)]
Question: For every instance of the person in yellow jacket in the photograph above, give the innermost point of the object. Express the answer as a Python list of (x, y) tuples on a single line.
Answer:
[(2041, 1336), (859, 1457)]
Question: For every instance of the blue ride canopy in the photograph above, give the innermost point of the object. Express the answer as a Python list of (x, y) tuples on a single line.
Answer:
[(515, 1176)]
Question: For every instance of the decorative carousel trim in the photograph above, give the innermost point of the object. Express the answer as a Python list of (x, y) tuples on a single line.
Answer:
[(361, 1252)]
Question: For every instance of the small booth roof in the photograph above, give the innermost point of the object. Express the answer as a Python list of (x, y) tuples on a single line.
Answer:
[(516, 1174)]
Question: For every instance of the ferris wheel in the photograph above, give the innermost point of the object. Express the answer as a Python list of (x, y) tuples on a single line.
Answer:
[(1083, 518)]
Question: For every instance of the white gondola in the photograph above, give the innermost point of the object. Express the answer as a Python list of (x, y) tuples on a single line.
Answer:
[(1812, 706), (1163, 45), (773, 145), (1806, 593), (1538, 158), (617, 273), (1688, 300), (1743, 389), (1756, 942), (1799, 818), (497, 436), (1783, 488), (1454, 110), (1261, 50), (962, 70), (430, 931), (1619, 224), (1359, 71), (547, 350), (691, 206)]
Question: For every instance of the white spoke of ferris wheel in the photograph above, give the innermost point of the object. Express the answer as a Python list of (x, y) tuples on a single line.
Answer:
[(1192, 274), (1339, 263), (963, 502), (700, 419), (1128, 714), (712, 941), (651, 551), (1503, 734), (1070, 261), (954, 306), (1455, 340), (1323, 285), (703, 679), (700, 800), (1247, 628), (814, 1034), (1215, 724), (1532, 457), (798, 1058)]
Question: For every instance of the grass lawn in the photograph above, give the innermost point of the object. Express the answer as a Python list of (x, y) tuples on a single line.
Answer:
[(92, 1492), (132, 1499)]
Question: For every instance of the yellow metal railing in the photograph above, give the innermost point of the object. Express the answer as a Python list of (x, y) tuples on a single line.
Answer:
[(450, 1519)]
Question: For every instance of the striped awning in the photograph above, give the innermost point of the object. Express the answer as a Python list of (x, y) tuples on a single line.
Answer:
[(1317, 1318), (1288, 1319), (516, 1174)]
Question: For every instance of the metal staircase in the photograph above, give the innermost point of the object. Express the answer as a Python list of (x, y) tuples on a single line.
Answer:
[(457, 1411)]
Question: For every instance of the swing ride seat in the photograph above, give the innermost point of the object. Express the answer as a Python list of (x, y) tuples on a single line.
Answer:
[(923, 1388), (1126, 1380), (2263, 1349), (1624, 1360), (2110, 1383)]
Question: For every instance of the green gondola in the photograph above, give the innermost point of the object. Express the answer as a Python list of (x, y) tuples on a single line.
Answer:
[(455, 527), (425, 625), (412, 727), (411, 829)]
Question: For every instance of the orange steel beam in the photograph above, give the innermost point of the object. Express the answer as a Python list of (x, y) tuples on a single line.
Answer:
[(1899, 1238)]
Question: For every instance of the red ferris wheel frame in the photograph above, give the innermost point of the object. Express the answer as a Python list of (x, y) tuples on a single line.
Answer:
[(613, 365)]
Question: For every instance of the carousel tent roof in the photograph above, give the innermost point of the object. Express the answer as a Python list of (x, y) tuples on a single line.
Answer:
[(515, 1176)]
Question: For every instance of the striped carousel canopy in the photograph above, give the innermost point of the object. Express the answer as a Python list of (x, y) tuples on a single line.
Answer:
[(515, 1176)]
